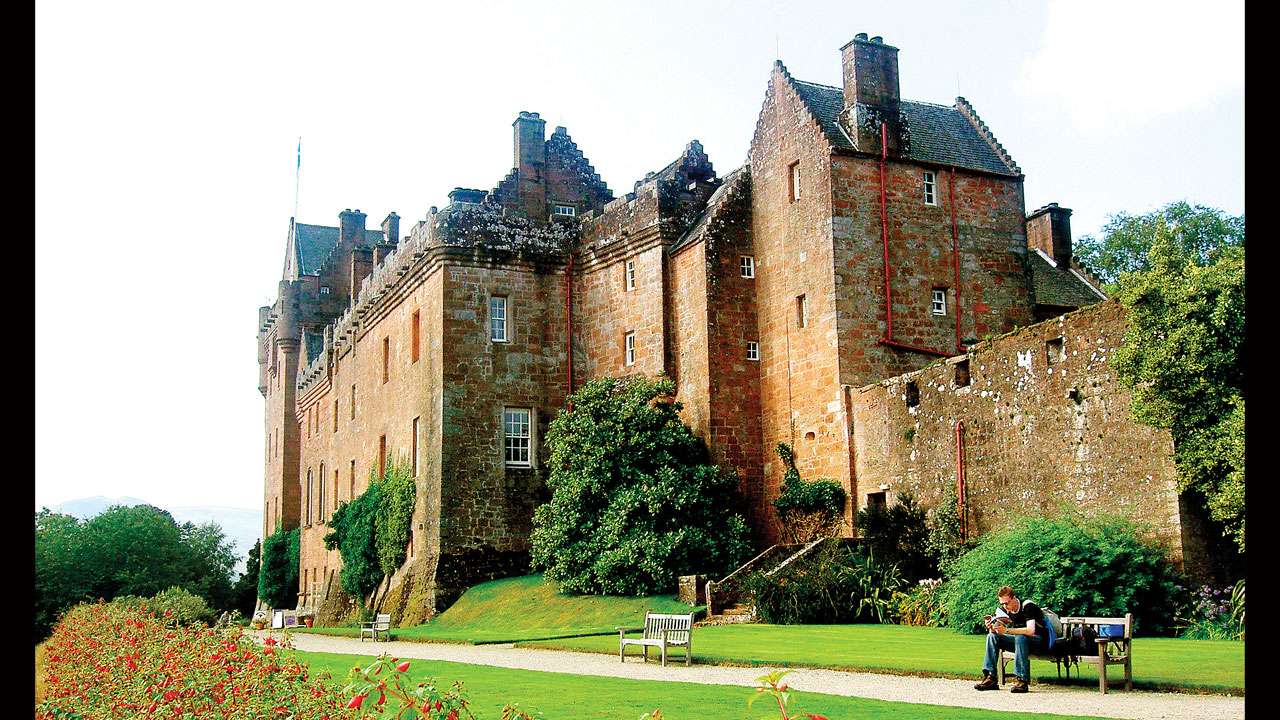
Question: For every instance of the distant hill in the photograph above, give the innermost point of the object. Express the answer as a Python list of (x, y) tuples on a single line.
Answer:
[(243, 527)]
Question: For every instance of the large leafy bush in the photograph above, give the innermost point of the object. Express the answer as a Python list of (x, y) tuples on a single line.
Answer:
[(635, 500), (836, 584), (352, 534), (809, 509), (396, 495), (278, 577), (1070, 564), (899, 535)]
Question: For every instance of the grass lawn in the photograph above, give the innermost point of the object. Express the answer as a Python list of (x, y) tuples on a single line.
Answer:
[(526, 608), (1158, 663), (582, 697)]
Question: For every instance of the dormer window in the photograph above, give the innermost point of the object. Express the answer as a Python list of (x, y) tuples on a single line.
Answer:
[(930, 188), (565, 210)]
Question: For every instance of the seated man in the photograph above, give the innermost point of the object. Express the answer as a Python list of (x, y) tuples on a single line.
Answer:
[(1019, 627)]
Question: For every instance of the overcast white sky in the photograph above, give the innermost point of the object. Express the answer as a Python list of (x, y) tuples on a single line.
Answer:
[(166, 135)]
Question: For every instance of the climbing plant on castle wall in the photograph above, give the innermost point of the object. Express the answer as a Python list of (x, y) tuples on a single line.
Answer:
[(351, 533), (396, 496), (278, 575), (635, 499)]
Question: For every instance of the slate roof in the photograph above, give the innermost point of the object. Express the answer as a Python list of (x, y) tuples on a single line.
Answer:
[(940, 135), (314, 242), (1059, 286)]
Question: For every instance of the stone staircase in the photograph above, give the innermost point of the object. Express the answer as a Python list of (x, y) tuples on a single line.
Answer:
[(725, 602)]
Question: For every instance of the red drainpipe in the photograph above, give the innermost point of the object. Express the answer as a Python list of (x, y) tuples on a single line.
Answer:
[(568, 338), (955, 254), (960, 473)]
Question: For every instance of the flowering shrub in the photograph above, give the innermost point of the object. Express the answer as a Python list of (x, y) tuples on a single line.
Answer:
[(923, 605), (1214, 613), (109, 661)]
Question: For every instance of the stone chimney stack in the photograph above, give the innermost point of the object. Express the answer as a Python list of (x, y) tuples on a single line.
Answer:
[(871, 93), (1049, 231), (391, 228), (351, 228), (530, 162)]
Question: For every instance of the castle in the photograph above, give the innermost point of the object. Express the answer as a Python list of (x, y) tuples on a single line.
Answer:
[(805, 297)]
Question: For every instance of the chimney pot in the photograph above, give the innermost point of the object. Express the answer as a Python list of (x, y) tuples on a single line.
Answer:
[(860, 36), (877, 39)]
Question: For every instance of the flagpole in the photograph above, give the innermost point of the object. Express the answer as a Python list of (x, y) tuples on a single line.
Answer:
[(297, 172)]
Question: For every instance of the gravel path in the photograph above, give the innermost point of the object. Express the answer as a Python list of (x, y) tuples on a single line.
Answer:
[(935, 691)]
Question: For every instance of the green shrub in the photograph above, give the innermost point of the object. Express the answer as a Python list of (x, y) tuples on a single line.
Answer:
[(923, 605), (278, 576), (351, 533), (635, 500), (808, 509), (187, 607), (396, 494), (837, 584), (946, 542), (1070, 564), (899, 535)]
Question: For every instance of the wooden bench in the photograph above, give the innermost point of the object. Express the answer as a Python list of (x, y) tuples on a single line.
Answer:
[(660, 631), (1111, 650), (381, 625)]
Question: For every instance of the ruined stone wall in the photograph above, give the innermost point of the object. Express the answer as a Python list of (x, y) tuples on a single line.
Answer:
[(1046, 424), (800, 395)]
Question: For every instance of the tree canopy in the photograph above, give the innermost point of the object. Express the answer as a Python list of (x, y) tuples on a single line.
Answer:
[(1197, 233), (1183, 352), (635, 499)]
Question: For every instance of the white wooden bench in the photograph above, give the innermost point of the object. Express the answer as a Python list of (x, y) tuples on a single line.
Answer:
[(1111, 650), (381, 625), (660, 631)]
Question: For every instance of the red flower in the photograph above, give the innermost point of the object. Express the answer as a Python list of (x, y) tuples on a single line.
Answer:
[(355, 701), (403, 667), (269, 641), (382, 698), (453, 715), (168, 613), (811, 716)]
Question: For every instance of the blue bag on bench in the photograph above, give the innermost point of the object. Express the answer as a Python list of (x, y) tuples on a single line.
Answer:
[(1111, 631)]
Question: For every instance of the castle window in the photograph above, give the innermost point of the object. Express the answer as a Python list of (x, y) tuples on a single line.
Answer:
[(309, 481), (353, 401), (802, 311), (793, 173), (876, 500), (415, 447), (930, 188), (498, 319), (415, 335), (386, 359), (1053, 351), (631, 275), (517, 437), (335, 415), (320, 514), (912, 393), (939, 301), (324, 289), (962, 373), (565, 210), (335, 488), (747, 265), (753, 350), (629, 343), (351, 492), (382, 456)]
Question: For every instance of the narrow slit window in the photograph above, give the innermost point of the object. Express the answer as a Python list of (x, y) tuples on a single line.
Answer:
[(802, 311), (386, 359), (309, 481), (320, 517), (415, 447), (498, 319), (794, 181), (353, 401), (517, 437), (630, 345), (753, 350), (351, 490), (747, 265), (415, 335), (382, 456), (335, 415)]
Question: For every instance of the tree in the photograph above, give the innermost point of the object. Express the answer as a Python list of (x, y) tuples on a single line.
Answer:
[(245, 592), (59, 580), (278, 576), (1183, 360), (1198, 233), (210, 562), (635, 500), (132, 551)]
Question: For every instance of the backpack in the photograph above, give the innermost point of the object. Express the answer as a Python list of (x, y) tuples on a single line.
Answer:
[(1054, 626)]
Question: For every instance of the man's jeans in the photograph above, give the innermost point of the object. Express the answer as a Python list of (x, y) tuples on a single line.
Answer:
[(1021, 645)]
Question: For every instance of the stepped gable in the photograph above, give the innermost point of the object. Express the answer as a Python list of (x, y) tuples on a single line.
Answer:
[(684, 187), (940, 135), (563, 153), (729, 204)]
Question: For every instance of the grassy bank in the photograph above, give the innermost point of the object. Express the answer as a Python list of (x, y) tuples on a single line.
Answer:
[(526, 608), (581, 697), (1158, 663)]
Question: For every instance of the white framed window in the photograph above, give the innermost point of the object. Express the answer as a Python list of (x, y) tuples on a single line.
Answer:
[(324, 289), (630, 343), (747, 265), (939, 301), (753, 350), (794, 184), (930, 188), (517, 433), (565, 210), (631, 275), (498, 319)]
